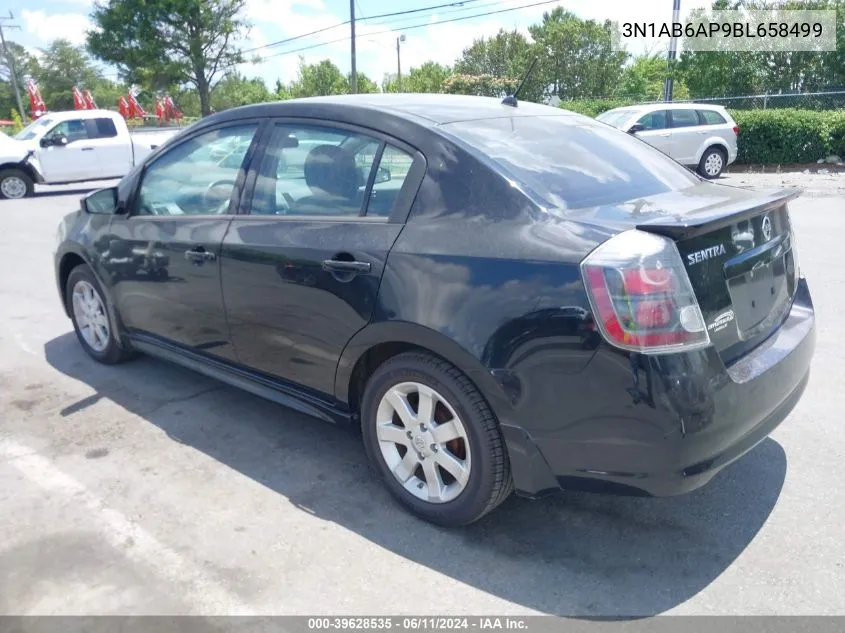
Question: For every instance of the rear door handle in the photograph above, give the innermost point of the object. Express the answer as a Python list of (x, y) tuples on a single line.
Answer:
[(665, 134), (339, 265), (87, 149), (199, 255)]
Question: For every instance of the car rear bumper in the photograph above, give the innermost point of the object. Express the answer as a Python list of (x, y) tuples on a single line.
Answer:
[(665, 425)]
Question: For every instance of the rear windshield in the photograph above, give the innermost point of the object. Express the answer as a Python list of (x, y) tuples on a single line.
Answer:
[(572, 165)]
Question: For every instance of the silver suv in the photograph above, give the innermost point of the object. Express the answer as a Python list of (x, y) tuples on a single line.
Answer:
[(699, 136)]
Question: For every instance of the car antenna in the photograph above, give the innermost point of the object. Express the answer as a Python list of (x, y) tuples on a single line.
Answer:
[(510, 100)]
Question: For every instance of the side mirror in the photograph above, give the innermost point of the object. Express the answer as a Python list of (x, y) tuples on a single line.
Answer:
[(59, 140), (101, 202), (382, 175), (637, 127)]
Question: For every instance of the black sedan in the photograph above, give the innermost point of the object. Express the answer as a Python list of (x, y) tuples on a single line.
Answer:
[(501, 296)]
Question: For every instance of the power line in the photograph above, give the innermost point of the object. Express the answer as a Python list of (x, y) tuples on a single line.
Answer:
[(294, 38), (415, 26)]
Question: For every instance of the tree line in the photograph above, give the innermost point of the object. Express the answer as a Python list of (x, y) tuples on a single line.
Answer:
[(192, 50)]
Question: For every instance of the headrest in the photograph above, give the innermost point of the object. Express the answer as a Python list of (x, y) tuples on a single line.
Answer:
[(332, 170)]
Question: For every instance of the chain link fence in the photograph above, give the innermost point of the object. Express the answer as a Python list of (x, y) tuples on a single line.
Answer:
[(829, 100)]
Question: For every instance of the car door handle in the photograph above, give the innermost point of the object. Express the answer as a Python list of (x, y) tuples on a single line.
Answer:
[(199, 255), (343, 266), (665, 134), (87, 149)]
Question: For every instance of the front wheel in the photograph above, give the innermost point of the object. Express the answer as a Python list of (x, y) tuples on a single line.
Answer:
[(434, 440), (712, 163), (15, 184), (90, 316)]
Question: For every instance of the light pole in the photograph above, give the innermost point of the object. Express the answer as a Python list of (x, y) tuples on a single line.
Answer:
[(399, 39), (673, 48)]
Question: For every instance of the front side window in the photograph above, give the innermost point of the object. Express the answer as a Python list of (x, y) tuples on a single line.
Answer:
[(73, 130), (321, 171), (654, 120), (684, 118), (198, 176)]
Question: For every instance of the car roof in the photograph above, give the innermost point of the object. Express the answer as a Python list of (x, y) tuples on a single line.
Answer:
[(67, 115), (422, 108), (662, 105)]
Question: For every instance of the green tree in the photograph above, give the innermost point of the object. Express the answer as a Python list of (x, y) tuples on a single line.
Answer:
[(236, 90), (497, 63), (63, 67), (365, 84), (643, 79), (25, 66), (321, 79), (576, 56), (427, 78), (163, 42)]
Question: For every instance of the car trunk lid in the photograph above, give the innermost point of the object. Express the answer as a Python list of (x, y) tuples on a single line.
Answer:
[(739, 256)]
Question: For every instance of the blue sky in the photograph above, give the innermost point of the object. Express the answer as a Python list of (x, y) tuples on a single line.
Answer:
[(41, 21)]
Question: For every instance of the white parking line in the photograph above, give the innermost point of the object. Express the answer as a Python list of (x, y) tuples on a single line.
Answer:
[(202, 595)]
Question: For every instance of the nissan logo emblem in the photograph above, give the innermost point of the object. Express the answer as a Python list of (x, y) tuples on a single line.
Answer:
[(767, 228)]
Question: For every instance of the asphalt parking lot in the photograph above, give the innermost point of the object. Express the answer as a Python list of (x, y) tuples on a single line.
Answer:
[(147, 489)]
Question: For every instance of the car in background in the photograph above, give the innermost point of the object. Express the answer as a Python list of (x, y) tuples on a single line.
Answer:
[(500, 297), (702, 137), (73, 146)]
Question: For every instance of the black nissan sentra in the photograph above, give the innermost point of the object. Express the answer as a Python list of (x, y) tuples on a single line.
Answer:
[(502, 297)]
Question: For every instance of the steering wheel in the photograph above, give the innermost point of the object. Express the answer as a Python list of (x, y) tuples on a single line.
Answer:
[(218, 193)]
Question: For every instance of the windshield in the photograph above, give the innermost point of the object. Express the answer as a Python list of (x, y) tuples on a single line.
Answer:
[(31, 130), (572, 163), (615, 117)]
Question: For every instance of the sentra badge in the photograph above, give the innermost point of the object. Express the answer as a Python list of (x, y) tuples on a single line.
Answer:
[(707, 253)]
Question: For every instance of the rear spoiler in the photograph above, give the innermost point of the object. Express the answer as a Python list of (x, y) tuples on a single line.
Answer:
[(717, 217)]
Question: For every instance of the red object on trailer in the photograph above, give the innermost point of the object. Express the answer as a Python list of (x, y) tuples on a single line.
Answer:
[(36, 103), (90, 104), (160, 110), (78, 99), (123, 106), (135, 109), (170, 109)]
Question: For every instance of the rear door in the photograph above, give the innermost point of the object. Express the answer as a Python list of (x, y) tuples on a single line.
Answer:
[(301, 265), (687, 135), (656, 131), (164, 256), (113, 152)]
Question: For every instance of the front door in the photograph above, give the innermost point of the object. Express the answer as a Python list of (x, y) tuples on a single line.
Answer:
[(164, 257), (75, 161), (301, 271), (656, 131)]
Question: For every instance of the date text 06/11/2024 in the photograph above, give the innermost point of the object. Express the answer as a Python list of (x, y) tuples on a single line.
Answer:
[(427, 623), (723, 29)]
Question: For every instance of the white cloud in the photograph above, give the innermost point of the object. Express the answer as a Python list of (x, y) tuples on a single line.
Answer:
[(48, 27)]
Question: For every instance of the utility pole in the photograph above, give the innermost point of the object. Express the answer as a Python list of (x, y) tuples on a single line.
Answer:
[(673, 49), (13, 73), (354, 83), (399, 39)]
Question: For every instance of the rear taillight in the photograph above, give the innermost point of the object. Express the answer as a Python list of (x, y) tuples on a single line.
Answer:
[(641, 296), (736, 130)]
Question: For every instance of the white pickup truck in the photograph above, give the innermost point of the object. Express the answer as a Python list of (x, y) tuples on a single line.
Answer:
[(74, 146)]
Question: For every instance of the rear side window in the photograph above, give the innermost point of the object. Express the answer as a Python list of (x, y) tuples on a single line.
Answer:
[(572, 162), (684, 118), (105, 128), (711, 117)]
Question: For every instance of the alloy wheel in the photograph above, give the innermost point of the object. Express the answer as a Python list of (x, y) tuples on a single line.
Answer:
[(423, 442), (713, 164), (90, 315), (13, 187)]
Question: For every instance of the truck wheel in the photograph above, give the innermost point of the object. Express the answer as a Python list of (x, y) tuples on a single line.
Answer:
[(15, 184)]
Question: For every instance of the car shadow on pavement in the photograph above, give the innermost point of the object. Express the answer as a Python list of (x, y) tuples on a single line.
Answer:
[(572, 554)]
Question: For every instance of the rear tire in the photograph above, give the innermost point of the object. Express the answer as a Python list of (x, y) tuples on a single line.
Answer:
[(88, 309), (712, 163), (446, 462), (15, 184)]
